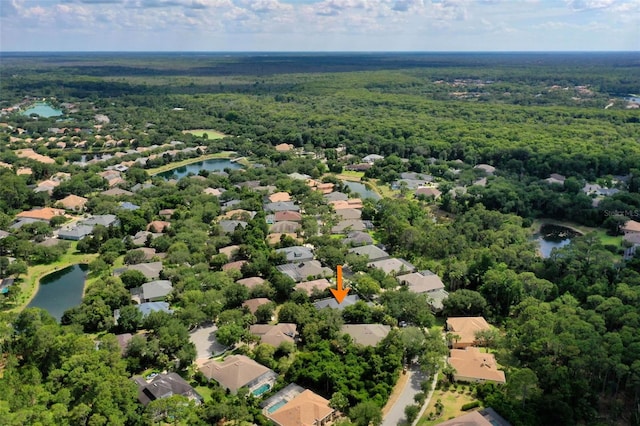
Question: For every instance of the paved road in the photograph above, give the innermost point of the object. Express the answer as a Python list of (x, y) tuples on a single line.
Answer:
[(396, 414)]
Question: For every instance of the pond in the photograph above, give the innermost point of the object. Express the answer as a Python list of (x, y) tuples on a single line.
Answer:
[(213, 165), (43, 110), (362, 189), (61, 290), (553, 236)]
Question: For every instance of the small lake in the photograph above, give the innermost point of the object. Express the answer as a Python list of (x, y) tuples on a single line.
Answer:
[(43, 110), (214, 165), (61, 290), (362, 189), (553, 236), (632, 98)]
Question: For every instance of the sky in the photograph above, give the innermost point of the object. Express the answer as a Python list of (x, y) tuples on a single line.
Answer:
[(319, 25)]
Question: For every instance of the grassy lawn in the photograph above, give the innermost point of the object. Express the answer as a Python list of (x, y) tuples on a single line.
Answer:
[(204, 392), (171, 166), (211, 133), (30, 282), (452, 402), (351, 175)]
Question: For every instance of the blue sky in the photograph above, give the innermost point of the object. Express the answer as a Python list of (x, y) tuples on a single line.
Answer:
[(319, 25)]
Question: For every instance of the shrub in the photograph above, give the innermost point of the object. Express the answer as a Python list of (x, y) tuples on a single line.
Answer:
[(419, 398), (469, 406)]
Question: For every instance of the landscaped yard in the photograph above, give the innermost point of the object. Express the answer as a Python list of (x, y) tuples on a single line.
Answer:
[(452, 402), (211, 133)]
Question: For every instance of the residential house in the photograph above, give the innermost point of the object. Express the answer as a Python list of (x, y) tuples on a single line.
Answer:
[(150, 270), (46, 186), (116, 192), (285, 227), (332, 303), (336, 196), (4, 234), (284, 147), (158, 226), (305, 409), (154, 291), (345, 226), (421, 282), (372, 252), (237, 371), (372, 158), (281, 206), (73, 202), (488, 169), (631, 227), (360, 167), (275, 237), (123, 340), (465, 329), (239, 214), (349, 214), (140, 238), (278, 197), (43, 214), (484, 417), (474, 366), (392, 265), (357, 238), (287, 216), (216, 192), (126, 205), (105, 220), (148, 307), (252, 305), (317, 286), (229, 251), (165, 385), (428, 192), (275, 335), (166, 213), (351, 203), (303, 270), (75, 233), (5, 283), (237, 265), (555, 179), (229, 226), (251, 282), (296, 253), (298, 176), (366, 334)]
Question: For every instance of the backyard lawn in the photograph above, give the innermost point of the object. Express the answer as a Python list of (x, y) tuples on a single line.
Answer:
[(452, 402), (211, 133)]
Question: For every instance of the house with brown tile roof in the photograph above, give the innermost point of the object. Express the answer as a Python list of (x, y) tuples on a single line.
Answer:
[(306, 409), (473, 418), (466, 328), (284, 147), (421, 282), (73, 202), (428, 192), (275, 335), (366, 334), (166, 213), (349, 214), (229, 251), (158, 226), (45, 213), (237, 371), (351, 203), (631, 227), (392, 266), (251, 282), (287, 216), (116, 192), (47, 186), (317, 285), (237, 265), (253, 304), (274, 237), (284, 227), (471, 365), (279, 197)]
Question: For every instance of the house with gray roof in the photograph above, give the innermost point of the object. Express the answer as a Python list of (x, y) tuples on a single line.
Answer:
[(392, 265), (332, 303), (150, 270), (4, 234), (357, 238), (284, 227), (421, 282), (372, 252), (75, 233), (348, 225), (281, 206), (296, 253), (229, 226), (349, 214), (303, 270), (154, 291), (106, 220), (237, 371), (366, 334), (165, 385), (336, 196)]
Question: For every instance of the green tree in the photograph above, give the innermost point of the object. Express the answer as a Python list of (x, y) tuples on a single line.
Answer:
[(366, 413)]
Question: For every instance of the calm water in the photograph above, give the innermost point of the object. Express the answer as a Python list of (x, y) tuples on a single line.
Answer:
[(43, 110), (360, 188), (209, 165), (553, 236), (61, 290)]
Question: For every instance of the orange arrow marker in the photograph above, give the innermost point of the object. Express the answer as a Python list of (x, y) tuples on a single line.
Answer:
[(339, 293)]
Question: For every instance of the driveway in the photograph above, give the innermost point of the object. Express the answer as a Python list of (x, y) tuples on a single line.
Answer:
[(396, 415), (205, 340)]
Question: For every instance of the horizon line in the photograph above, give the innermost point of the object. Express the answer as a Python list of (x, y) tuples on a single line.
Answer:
[(318, 51)]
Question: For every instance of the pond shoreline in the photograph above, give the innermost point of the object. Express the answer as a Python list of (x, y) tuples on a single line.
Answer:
[(225, 155)]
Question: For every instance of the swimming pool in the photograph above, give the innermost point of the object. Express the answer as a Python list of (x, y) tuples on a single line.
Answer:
[(275, 406), (262, 389)]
